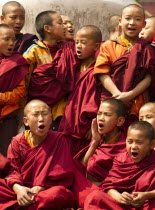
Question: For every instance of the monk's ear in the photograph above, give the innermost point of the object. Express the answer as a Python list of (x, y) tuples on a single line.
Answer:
[(121, 121), (47, 28), (120, 21), (25, 121), (97, 46), (153, 144), (2, 18)]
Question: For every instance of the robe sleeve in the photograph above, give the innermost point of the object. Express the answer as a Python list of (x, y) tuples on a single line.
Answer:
[(13, 97)]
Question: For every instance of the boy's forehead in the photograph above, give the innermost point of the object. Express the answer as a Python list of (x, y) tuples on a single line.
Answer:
[(84, 33), (5, 31), (106, 105), (11, 8), (133, 9), (148, 108)]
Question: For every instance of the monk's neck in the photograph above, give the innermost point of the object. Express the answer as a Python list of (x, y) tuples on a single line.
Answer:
[(87, 62), (50, 41), (36, 140), (129, 40), (112, 134)]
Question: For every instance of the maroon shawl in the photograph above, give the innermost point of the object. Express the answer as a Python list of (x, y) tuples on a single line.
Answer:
[(81, 108), (131, 68), (51, 82), (12, 71), (24, 41)]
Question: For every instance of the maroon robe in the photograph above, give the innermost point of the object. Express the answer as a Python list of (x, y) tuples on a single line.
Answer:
[(131, 68), (51, 82), (24, 41), (81, 108), (48, 164), (12, 70), (128, 176)]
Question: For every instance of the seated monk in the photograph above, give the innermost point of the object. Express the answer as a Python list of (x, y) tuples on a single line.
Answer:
[(108, 140), (131, 181), (43, 162)]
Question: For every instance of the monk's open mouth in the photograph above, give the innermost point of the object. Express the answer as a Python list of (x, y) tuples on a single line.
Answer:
[(134, 154), (41, 127)]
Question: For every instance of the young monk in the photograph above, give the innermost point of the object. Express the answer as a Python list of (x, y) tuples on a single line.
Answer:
[(147, 113), (13, 68), (83, 103), (114, 27), (108, 139), (69, 28), (13, 14), (51, 50), (130, 183), (148, 32), (44, 165), (125, 73)]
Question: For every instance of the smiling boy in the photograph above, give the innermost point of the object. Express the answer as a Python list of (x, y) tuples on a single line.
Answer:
[(120, 67), (130, 183)]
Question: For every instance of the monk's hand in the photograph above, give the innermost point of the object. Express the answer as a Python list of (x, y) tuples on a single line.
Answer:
[(125, 198), (24, 195), (35, 190), (139, 198), (125, 97), (94, 129)]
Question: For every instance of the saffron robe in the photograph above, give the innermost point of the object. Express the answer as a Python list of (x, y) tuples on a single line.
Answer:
[(128, 70), (128, 176), (81, 108), (48, 164), (24, 41)]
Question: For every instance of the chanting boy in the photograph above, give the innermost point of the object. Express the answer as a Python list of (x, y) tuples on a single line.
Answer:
[(43, 162), (84, 101)]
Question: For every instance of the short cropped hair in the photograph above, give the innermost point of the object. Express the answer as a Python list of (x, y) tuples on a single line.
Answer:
[(42, 19), (113, 22), (10, 3), (96, 33), (118, 105), (145, 127), (135, 5)]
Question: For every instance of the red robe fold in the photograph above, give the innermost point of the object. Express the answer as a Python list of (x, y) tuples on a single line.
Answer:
[(51, 82), (128, 176), (131, 68), (24, 41), (81, 108)]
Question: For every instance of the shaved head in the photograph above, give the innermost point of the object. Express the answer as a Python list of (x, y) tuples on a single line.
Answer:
[(135, 6), (93, 32), (31, 104), (6, 7)]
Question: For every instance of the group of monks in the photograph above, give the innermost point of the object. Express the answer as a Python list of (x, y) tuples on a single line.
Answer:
[(69, 109)]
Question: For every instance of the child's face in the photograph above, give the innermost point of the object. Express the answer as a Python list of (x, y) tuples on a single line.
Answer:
[(107, 119), (138, 145), (15, 18), (57, 28), (38, 119), (85, 45), (132, 22), (69, 28), (7, 41), (148, 32), (147, 113)]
